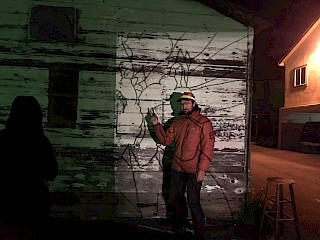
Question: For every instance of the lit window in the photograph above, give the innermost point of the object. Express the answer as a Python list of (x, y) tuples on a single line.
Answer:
[(300, 76)]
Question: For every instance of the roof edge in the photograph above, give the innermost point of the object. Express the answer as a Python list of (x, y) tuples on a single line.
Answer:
[(238, 13), (303, 37)]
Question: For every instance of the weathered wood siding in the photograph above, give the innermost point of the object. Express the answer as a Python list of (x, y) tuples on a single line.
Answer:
[(131, 56)]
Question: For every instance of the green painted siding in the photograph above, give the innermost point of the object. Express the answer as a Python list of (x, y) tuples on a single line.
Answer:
[(127, 57)]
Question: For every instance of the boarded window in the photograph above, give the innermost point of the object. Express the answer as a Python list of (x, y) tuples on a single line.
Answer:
[(300, 76), (52, 24), (63, 96)]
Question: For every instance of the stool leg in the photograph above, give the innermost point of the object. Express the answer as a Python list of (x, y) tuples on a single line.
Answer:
[(281, 209), (264, 207), (277, 210), (294, 210)]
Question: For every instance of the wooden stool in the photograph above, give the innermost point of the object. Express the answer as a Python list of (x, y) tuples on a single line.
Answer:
[(277, 200)]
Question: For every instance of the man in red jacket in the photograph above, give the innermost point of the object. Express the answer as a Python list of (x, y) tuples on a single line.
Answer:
[(193, 137)]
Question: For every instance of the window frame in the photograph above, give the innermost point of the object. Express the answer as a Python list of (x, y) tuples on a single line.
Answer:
[(302, 72), (49, 23), (63, 96)]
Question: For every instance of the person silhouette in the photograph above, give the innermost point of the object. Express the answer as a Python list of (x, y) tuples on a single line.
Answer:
[(166, 164), (27, 162)]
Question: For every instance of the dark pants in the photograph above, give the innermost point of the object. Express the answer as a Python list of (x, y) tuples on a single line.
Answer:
[(180, 183), (166, 193)]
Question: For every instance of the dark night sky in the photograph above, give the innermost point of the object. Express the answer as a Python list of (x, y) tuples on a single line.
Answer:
[(278, 25), (289, 20)]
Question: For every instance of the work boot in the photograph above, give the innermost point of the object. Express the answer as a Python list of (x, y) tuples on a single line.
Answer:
[(168, 225), (188, 226)]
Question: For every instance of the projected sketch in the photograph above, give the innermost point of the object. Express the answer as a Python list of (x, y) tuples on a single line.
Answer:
[(151, 66)]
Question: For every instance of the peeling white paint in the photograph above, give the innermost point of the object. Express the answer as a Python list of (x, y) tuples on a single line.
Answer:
[(209, 188)]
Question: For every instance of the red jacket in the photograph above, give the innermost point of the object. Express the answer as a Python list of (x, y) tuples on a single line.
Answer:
[(194, 139)]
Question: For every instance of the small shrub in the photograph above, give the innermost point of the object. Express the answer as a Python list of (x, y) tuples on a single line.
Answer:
[(251, 207)]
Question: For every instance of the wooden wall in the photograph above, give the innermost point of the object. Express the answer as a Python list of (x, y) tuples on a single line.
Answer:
[(128, 57)]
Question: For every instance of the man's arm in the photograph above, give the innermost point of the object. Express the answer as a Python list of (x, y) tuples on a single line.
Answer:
[(207, 150), (164, 137), (151, 127)]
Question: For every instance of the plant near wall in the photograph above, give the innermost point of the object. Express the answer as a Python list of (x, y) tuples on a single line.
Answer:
[(249, 214), (251, 207)]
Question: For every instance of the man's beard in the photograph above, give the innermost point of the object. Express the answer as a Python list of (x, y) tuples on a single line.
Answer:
[(183, 113)]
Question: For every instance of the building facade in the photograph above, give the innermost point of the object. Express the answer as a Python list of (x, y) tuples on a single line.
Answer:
[(97, 68), (300, 116)]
